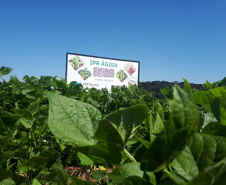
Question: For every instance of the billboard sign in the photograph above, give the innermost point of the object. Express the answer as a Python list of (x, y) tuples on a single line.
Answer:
[(100, 72)]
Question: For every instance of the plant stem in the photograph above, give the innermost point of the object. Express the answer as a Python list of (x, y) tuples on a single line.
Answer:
[(170, 168), (166, 171), (129, 155)]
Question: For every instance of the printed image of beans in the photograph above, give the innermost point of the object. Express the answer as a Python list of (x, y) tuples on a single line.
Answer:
[(103, 72)]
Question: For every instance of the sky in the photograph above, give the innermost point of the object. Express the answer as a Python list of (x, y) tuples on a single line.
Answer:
[(172, 39)]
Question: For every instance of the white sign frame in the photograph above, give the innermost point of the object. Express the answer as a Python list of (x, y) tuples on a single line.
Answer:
[(101, 72)]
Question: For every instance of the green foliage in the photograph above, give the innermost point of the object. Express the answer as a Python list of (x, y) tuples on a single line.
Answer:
[(5, 70), (118, 127), (47, 124), (182, 121), (122, 173), (71, 120)]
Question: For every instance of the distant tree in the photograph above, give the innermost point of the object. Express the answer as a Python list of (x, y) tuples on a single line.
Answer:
[(156, 86)]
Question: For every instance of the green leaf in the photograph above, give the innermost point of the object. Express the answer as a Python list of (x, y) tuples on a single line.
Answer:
[(10, 119), (51, 156), (5, 144), (62, 177), (102, 153), (185, 165), (34, 163), (156, 127), (218, 107), (34, 107), (118, 127), (7, 181), (215, 174), (5, 70), (5, 157), (205, 98), (223, 82), (215, 128), (207, 149), (152, 178), (26, 123), (84, 160), (203, 152), (4, 174), (35, 182), (176, 178), (159, 110), (122, 172), (187, 89), (147, 144), (182, 122), (168, 93), (72, 121), (208, 85)]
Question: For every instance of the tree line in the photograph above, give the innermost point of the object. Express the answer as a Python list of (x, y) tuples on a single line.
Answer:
[(156, 86)]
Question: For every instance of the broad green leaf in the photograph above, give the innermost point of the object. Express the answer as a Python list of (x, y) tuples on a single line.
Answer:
[(33, 107), (7, 181), (207, 149), (107, 132), (215, 174), (203, 152), (5, 70), (122, 172), (26, 123), (177, 179), (118, 127), (205, 98), (185, 165), (84, 160), (159, 110), (215, 128), (152, 178), (218, 107), (187, 88), (223, 109), (182, 122), (25, 113), (62, 177), (168, 93), (208, 85), (102, 153), (147, 144), (10, 119), (156, 127), (196, 146), (51, 156), (206, 119), (35, 182), (72, 121)]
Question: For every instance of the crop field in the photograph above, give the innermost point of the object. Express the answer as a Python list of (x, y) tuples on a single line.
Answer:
[(52, 132)]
